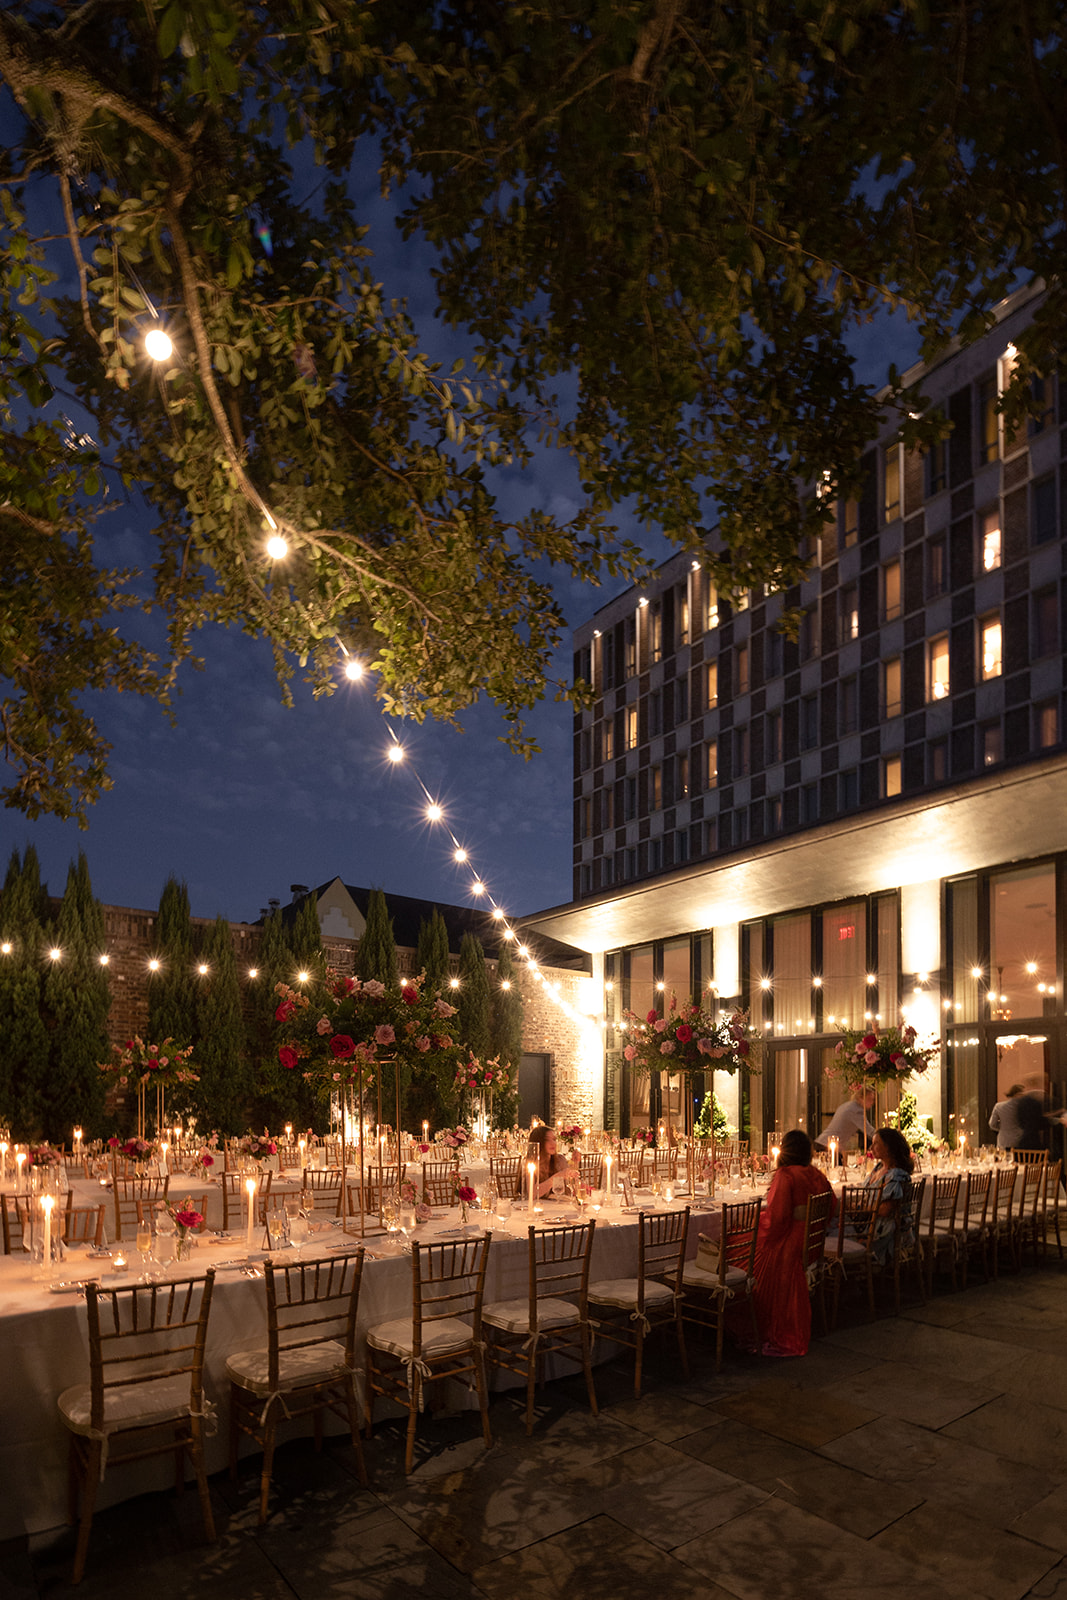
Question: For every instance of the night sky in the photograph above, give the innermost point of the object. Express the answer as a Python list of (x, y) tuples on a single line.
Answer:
[(243, 798)]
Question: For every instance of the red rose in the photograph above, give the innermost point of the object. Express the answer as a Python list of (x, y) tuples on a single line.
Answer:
[(684, 1034), (408, 994), (870, 1041), (288, 1057), (342, 1046), (652, 1015), (284, 1011)]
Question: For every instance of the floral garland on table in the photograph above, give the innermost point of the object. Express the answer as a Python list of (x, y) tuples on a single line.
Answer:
[(880, 1056), (687, 1039), (256, 1147), (143, 1064), (135, 1149), (343, 1028), (43, 1155)]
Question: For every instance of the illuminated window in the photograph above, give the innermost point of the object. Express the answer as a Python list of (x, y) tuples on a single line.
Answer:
[(1046, 725), (988, 421), (741, 662), (607, 740), (711, 685), (655, 789), (891, 776), (991, 646), (711, 613), (848, 614), (629, 642), (891, 687), (850, 523), (937, 680), (681, 617), (631, 727), (891, 602), (990, 525), (711, 764), (655, 633), (891, 501)]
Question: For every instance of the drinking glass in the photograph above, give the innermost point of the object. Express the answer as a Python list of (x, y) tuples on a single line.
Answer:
[(276, 1228), (559, 1186), (503, 1211), (144, 1245), (299, 1229)]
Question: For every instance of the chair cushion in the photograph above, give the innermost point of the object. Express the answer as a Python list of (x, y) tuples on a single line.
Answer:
[(851, 1249), (316, 1363), (162, 1400), (622, 1292), (438, 1338), (694, 1277), (513, 1316)]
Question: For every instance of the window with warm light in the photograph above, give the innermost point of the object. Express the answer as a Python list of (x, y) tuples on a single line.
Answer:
[(991, 637), (850, 523), (848, 613), (655, 789), (988, 421), (629, 647), (937, 673), (892, 681), (607, 740), (989, 522), (711, 609), (891, 776), (891, 591), (711, 685), (1046, 725), (741, 669), (655, 631), (711, 764), (681, 617), (891, 480), (631, 727)]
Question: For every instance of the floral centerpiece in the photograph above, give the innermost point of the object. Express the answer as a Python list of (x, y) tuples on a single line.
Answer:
[(135, 1149), (454, 1138), (186, 1221), (642, 1136), (466, 1196), (143, 1064), (409, 1196), (204, 1159), (43, 1155), (256, 1147), (877, 1057), (341, 1030), (687, 1039)]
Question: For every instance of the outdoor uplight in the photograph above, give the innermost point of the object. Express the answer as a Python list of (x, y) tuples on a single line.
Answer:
[(158, 345)]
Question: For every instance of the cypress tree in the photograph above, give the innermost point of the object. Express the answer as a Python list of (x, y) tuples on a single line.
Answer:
[(78, 999), (473, 997), (305, 934), (221, 1095), (277, 1096), (505, 1035), (172, 991), (24, 1064), (376, 956), (431, 954)]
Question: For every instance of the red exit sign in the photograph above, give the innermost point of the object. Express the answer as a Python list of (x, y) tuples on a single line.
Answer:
[(847, 931)]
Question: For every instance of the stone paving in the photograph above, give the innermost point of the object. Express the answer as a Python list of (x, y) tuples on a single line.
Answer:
[(918, 1454)]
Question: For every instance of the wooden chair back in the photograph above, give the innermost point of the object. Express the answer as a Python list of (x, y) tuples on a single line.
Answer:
[(504, 1170), (146, 1335), (738, 1236), (311, 1303), (944, 1201), (15, 1221), (325, 1185), (591, 1171), (85, 1225), (127, 1194), (1026, 1158), (661, 1249), (816, 1224), (440, 1191), (559, 1264), (448, 1280), (976, 1200)]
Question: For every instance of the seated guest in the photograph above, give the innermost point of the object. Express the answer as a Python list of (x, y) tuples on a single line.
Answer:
[(542, 1149), (783, 1304), (849, 1119), (894, 1163)]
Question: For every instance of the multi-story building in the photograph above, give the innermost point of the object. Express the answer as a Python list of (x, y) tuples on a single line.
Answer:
[(869, 817)]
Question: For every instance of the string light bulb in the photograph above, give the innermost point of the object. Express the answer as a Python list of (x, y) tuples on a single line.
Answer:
[(157, 343), (460, 854), (277, 547), (353, 670), (396, 752), (434, 812)]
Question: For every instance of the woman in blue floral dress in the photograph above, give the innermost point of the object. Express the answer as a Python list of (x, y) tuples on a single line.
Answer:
[(894, 1165)]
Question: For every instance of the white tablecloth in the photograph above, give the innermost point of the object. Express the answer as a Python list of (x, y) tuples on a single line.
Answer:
[(44, 1348)]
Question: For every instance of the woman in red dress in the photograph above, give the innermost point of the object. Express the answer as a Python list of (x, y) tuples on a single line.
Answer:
[(783, 1303)]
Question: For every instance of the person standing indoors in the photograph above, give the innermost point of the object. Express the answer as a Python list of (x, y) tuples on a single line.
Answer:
[(849, 1120)]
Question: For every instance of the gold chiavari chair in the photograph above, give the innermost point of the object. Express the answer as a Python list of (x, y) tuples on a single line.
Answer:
[(939, 1240), (724, 1274), (847, 1251), (85, 1225), (130, 1193), (654, 1298)]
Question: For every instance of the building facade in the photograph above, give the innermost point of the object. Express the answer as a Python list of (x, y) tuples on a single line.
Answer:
[(868, 819)]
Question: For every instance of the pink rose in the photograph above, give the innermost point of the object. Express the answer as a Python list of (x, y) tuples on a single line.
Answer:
[(667, 1047), (422, 1043), (342, 1046), (374, 988), (660, 1025), (322, 1027), (384, 1034), (871, 1058), (630, 1052)]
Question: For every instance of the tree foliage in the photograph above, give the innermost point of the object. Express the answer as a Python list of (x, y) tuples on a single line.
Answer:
[(505, 1034), (172, 991), (472, 998), (77, 998), (221, 1095), (24, 1058), (656, 222), (431, 951), (376, 955)]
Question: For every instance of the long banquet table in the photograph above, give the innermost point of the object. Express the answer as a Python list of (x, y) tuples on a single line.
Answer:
[(44, 1342)]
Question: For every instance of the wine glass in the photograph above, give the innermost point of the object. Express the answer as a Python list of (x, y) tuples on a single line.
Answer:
[(503, 1211), (596, 1202), (299, 1228), (559, 1186), (144, 1244), (276, 1229)]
